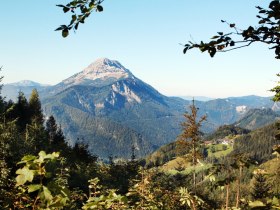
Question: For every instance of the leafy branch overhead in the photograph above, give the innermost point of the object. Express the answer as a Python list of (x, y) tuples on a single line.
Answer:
[(267, 31), (80, 9)]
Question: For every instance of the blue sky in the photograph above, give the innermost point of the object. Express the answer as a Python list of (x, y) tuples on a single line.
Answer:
[(145, 37)]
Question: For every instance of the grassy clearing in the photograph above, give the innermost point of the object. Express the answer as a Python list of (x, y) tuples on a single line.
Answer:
[(182, 165), (198, 168), (178, 162), (219, 150), (271, 166)]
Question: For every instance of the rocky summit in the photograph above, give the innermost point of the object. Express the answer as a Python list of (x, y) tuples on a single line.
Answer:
[(102, 69)]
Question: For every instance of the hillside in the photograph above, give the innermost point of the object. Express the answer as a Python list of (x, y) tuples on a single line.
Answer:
[(162, 155), (104, 137), (226, 130), (258, 143), (256, 118), (255, 144)]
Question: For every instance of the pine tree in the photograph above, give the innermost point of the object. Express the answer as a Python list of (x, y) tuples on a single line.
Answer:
[(59, 137), (81, 153), (241, 161), (260, 188), (35, 130), (51, 128), (191, 135), (56, 137), (35, 108), (21, 112)]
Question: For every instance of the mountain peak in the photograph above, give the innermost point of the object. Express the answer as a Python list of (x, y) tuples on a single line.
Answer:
[(102, 69), (106, 61)]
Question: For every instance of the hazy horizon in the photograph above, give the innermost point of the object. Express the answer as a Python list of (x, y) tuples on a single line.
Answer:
[(186, 97)]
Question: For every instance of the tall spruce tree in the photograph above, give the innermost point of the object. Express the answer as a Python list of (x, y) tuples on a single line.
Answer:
[(56, 139), (241, 161), (191, 135), (35, 130), (260, 188), (51, 128), (82, 154), (21, 112), (35, 107)]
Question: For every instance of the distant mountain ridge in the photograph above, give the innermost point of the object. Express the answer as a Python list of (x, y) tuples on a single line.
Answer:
[(197, 98), (257, 118), (11, 90), (111, 110), (28, 83)]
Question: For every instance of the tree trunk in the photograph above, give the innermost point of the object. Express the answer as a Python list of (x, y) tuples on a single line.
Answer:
[(193, 205), (238, 187), (194, 167), (227, 196)]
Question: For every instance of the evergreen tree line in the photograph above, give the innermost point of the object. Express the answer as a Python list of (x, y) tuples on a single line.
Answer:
[(24, 132)]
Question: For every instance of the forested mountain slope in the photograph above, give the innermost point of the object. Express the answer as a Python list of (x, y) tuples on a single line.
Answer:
[(106, 100)]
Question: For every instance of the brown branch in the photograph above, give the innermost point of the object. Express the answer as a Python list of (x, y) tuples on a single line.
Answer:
[(237, 47), (35, 202)]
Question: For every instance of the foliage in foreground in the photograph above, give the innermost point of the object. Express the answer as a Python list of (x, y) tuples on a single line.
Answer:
[(81, 10)]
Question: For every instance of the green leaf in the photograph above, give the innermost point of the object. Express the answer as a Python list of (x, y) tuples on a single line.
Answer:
[(212, 178), (221, 187), (59, 202), (189, 202), (65, 192), (212, 51), (76, 26), (33, 188), (27, 158), (91, 5), (25, 174), (46, 195), (215, 37), (256, 204), (185, 50), (99, 8), (275, 201), (66, 9), (55, 155), (60, 5), (20, 179), (74, 17), (65, 33), (61, 28), (42, 154)]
